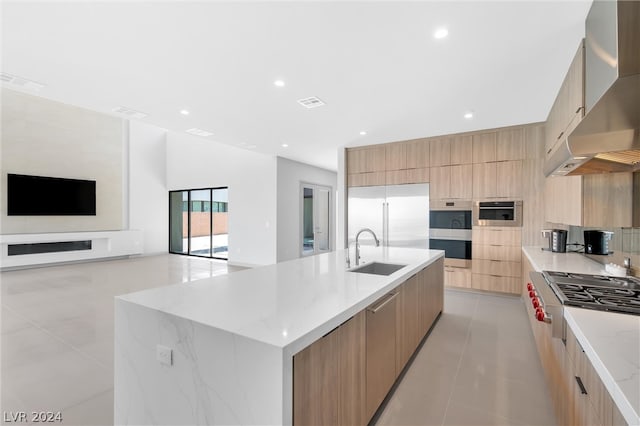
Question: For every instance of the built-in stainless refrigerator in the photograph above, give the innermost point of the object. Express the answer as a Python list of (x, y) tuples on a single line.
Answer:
[(398, 214)]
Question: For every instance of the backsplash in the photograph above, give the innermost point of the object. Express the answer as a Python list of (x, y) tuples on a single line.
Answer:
[(624, 243)]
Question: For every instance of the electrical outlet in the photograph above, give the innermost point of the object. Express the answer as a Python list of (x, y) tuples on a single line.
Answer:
[(164, 355)]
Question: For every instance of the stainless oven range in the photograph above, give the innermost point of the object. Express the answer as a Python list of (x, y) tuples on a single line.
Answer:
[(450, 230), (549, 291)]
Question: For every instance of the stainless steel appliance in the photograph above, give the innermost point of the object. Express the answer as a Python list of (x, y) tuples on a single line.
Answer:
[(550, 291), (398, 214), (450, 230), (497, 213), (608, 138), (597, 242), (559, 241)]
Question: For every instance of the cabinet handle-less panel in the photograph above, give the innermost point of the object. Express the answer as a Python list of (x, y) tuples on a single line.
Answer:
[(381, 351)]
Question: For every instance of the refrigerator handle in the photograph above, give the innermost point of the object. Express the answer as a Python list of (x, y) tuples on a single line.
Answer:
[(384, 221), (386, 225)]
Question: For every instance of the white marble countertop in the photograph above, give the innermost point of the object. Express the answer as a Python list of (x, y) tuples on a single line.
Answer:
[(290, 304), (611, 341)]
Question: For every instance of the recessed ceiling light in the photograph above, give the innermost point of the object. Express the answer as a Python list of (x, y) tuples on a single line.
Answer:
[(184, 112), (441, 32), (279, 83), (199, 132), (284, 145), (468, 115), (363, 133)]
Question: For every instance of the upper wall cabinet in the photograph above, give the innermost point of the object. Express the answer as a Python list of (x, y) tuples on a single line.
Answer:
[(418, 153), (440, 152), (591, 200), (568, 109), (484, 147), (366, 159), (461, 149), (510, 145)]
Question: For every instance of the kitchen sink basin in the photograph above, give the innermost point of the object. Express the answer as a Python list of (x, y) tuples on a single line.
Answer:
[(378, 268)]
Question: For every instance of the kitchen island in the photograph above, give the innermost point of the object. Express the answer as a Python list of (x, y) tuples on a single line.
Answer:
[(221, 350)]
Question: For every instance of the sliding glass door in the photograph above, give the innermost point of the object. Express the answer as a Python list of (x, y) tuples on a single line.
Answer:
[(198, 222)]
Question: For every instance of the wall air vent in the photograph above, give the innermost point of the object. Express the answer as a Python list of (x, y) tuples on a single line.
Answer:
[(21, 82), (129, 113), (199, 132), (311, 102)]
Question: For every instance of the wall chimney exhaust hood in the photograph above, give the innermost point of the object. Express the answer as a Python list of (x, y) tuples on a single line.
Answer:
[(608, 137)]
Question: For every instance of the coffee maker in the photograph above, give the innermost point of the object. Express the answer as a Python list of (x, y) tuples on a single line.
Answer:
[(557, 239)]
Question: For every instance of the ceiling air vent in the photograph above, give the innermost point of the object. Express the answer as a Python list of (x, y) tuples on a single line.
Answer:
[(199, 132), (21, 82), (311, 102), (131, 113)]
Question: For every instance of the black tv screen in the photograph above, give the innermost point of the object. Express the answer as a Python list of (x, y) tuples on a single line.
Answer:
[(50, 196)]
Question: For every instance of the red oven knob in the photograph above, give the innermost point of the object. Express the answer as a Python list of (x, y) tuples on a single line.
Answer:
[(540, 315), (532, 294), (529, 287), (535, 302)]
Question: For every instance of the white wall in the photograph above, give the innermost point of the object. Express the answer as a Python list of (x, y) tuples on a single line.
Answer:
[(148, 193), (251, 177), (290, 175), (46, 138)]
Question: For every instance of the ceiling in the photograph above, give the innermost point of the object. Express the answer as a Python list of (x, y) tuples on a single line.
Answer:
[(375, 64)]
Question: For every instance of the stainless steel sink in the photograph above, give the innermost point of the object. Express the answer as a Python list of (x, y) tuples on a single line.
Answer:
[(378, 268)]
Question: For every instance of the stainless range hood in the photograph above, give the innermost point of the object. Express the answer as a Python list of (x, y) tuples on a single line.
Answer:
[(608, 137)]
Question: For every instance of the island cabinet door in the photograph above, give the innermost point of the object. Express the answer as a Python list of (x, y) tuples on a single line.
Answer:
[(430, 295), (329, 378), (407, 324), (381, 351)]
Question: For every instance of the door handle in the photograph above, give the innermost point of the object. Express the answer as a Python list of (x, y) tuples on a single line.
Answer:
[(389, 298)]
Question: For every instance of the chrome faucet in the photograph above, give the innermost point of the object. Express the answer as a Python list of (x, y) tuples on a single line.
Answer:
[(358, 244)]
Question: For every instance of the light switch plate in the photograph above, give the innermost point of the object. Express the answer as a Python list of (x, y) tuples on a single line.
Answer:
[(164, 355)]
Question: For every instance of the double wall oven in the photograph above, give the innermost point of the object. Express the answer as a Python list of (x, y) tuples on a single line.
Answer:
[(450, 230)]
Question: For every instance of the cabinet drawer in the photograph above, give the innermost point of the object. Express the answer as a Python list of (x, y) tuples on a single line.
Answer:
[(495, 283), (496, 252), (457, 277), (496, 267), (497, 235)]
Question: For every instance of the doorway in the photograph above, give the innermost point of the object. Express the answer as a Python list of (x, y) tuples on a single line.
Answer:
[(315, 213), (198, 222)]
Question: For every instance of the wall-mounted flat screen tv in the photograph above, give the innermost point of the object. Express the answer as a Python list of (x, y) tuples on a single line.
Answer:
[(50, 196)]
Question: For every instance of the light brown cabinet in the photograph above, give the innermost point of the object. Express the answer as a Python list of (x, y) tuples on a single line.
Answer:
[(329, 377), (568, 108), (501, 179), (453, 182), (496, 262), (461, 149), (395, 156), (440, 152), (366, 159), (587, 200), (577, 392), (510, 144), (381, 350), (484, 147), (407, 326), (418, 155)]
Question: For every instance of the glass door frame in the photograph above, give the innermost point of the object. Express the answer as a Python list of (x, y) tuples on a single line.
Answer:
[(331, 219), (189, 211)]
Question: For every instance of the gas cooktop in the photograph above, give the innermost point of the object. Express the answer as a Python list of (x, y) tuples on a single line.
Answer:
[(616, 294)]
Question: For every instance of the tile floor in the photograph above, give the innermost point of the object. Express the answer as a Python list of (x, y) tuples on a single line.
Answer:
[(478, 366)]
